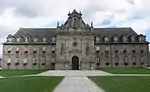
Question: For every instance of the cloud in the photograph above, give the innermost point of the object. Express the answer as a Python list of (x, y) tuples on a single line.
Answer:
[(45, 13)]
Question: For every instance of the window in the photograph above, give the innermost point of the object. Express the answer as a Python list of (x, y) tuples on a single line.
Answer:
[(44, 48), (44, 61), (132, 38), (35, 39), (8, 61), (9, 50), (34, 62), (34, 50), (25, 61), (125, 61), (44, 39), (74, 44), (18, 39), (97, 39), (116, 51), (115, 39), (124, 51), (17, 61), (133, 60), (9, 39), (97, 48), (140, 39), (106, 39), (53, 39), (17, 50), (53, 60), (124, 39), (116, 63), (26, 52), (142, 60), (107, 63), (53, 49), (26, 39)]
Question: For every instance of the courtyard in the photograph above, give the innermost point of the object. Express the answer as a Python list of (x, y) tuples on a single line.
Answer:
[(104, 80)]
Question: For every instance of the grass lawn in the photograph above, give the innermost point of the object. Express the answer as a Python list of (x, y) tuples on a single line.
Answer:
[(7, 73), (29, 84), (123, 84), (127, 70)]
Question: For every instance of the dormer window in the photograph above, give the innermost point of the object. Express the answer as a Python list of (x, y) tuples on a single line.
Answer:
[(35, 39), (106, 39), (140, 39), (26, 39), (97, 39), (18, 39), (124, 39), (132, 38), (115, 39), (44, 39), (9, 39)]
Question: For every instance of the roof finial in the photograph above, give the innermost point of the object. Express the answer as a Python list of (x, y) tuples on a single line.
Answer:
[(57, 24), (92, 24)]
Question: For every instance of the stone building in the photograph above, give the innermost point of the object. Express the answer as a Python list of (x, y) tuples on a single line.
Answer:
[(74, 45)]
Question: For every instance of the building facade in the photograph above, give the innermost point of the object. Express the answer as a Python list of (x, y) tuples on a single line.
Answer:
[(74, 45)]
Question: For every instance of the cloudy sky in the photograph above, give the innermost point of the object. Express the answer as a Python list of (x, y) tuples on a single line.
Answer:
[(45, 13)]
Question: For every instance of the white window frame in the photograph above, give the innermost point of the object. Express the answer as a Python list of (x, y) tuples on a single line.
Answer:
[(53, 48), (9, 39), (97, 48), (106, 39), (9, 49), (44, 48), (25, 60), (26, 39), (17, 39), (9, 60), (44, 39)]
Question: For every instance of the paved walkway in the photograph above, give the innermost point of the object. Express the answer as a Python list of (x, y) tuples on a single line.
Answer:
[(75, 73), (77, 84), (76, 81)]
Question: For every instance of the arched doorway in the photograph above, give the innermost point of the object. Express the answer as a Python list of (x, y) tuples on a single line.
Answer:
[(75, 63)]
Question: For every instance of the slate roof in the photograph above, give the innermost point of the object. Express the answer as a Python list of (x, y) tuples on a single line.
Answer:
[(36, 32), (110, 32), (51, 32)]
